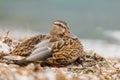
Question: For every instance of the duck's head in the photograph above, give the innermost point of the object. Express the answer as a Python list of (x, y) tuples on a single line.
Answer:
[(60, 28)]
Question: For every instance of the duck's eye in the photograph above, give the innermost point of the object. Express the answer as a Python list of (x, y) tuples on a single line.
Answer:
[(59, 25)]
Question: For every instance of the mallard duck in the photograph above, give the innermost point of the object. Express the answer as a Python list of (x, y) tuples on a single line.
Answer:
[(58, 48), (27, 47)]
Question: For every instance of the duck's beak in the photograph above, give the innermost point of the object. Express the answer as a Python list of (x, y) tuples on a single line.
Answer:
[(71, 35)]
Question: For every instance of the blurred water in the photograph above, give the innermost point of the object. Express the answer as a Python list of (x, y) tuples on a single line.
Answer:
[(88, 19)]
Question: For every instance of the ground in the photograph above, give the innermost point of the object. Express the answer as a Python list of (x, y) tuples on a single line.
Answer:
[(90, 67)]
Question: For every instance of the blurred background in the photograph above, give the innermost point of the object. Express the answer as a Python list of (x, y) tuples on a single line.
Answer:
[(95, 22)]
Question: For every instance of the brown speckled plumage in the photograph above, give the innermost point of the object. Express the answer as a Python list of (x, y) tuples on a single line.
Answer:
[(65, 49)]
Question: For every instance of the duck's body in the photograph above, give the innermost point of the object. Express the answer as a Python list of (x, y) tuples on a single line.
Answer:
[(64, 49)]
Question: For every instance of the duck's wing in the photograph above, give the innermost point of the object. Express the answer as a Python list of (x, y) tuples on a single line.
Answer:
[(46, 49), (27, 46), (41, 52), (42, 44)]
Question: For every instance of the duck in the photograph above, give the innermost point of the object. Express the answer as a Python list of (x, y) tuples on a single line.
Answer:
[(59, 48)]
